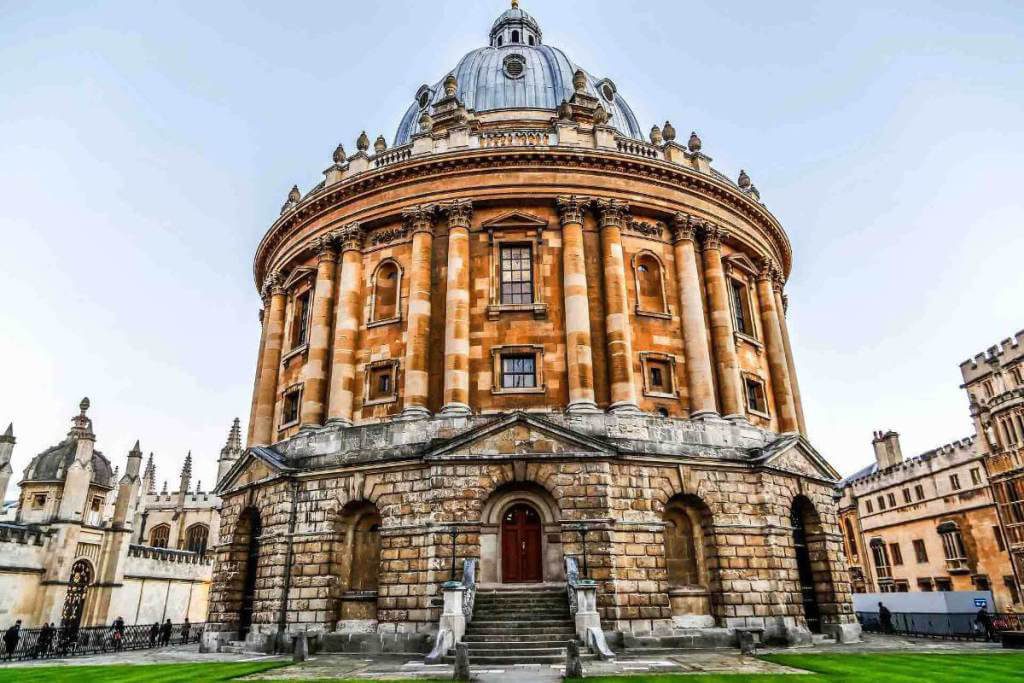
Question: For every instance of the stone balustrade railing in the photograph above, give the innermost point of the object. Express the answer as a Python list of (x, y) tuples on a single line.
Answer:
[(168, 554), (637, 148), (392, 156), (515, 138), (25, 535)]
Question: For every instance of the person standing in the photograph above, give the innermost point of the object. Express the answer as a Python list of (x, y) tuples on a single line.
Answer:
[(154, 633), (45, 639), (884, 618), (118, 634), (984, 620), (185, 628), (165, 633), (11, 638)]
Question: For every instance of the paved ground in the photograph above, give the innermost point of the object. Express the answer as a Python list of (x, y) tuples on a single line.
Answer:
[(358, 666)]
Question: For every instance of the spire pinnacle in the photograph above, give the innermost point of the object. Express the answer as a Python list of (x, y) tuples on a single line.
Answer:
[(135, 452), (10, 429)]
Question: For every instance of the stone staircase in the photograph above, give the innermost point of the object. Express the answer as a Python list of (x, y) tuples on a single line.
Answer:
[(519, 626)]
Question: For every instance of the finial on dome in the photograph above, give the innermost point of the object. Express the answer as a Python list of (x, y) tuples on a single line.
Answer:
[(694, 143), (515, 4), (84, 405), (579, 81), (380, 144), (656, 138), (668, 132), (744, 180), (339, 154), (363, 142), (451, 85)]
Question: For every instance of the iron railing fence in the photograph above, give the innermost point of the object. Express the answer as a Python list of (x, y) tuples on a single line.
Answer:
[(35, 643), (959, 625)]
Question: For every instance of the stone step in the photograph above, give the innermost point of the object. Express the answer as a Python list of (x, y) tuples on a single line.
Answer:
[(512, 639), (533, 615), (510, 659), (520, 623), (516, 645), (495, 604), (475, 651), (567, 631)]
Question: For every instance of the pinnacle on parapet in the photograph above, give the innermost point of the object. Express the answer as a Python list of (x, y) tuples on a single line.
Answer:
[(163, 491), (84, 405), (199, 485), (135, 452), (668, 132), (694, 144), (363, 142), (10, 430), (186, 469), (656, 136), (744, 180)]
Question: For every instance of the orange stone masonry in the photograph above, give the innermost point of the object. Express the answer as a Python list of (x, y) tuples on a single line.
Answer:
[(314, 393), (263, 433), (700, 383), (347, 324), (617, 326), (722, 337), (578, 346), (775, 347)]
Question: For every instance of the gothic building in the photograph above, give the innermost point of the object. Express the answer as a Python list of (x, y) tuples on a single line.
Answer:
[(521, 320), (83, 545)]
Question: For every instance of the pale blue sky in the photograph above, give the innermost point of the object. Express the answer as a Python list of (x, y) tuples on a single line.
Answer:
[(145, 148)]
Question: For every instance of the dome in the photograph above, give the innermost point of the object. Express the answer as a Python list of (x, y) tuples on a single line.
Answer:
[(517, 72), (53, 463)]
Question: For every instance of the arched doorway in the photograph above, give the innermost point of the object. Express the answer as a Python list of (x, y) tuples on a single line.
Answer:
[(689, 544), (74, 601), (251, 521), (521, 545), (801, 514), (356, 561)]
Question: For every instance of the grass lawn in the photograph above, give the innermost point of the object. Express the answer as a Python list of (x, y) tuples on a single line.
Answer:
[(132, 673), (888, 667)]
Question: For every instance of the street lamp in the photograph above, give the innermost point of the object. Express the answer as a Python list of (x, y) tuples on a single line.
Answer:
[(582, 529), (454, 531)]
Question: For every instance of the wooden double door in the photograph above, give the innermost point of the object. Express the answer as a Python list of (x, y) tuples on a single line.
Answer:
[(521, 560)]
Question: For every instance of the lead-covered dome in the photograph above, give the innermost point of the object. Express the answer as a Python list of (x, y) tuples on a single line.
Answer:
[(516, 71)]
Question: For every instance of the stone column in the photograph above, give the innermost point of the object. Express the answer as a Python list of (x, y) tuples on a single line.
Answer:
[(578, 350), (263, 433), (613, 214), (417, 338), (456, 320), (699, 379), (314, 374), (346, 324), (722, 339), (259, 366), (780, 306), (775, 348)]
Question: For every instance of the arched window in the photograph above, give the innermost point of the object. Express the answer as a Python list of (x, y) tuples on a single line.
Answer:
[(196, 538), (530, 40), (650, 284), (684, 543), (159, 536), (500, 41), (387, 280), (515, 36)]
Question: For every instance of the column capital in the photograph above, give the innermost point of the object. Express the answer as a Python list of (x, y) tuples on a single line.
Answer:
[(571, 208), (614, 213), (685, 227), (459, 212), (767, 270), (420, 218), (324, 246), (272, 284), (350, 237), (712, 236)]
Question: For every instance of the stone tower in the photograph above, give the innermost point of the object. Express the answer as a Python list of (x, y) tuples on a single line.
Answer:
[(6, 449)]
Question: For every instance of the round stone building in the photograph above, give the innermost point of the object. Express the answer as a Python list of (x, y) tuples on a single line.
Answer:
[(526, 337)]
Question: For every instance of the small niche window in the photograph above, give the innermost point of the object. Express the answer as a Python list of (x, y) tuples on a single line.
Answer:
[(381, 382), (659, 374), (159, 536), (387, 282), (742, 318), (290, 409), (943, 584), (300, 319), (981, 583), (518, 369), (39, 500), (516, 274), (881, 502), (919, 492), (954, 482), (953, 546), (650, 284), (529, 39), (1000, 543), (975, 476), (896, 553), (906, 496), (756, 401), (515, 36)]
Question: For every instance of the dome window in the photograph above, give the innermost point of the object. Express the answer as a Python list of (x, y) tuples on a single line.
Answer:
[(530, 40), (607, 90), (515, 65), (423, 96), (515, 36), (500, 40)]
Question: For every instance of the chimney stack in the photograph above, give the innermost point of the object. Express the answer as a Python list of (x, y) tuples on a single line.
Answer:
[(887, 449)]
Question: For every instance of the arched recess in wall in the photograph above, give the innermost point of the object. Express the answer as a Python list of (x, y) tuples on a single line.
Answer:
[(387, 289), (649, 278), (356, 561), (159, 536), (246, 556), (78, 590), (691, 560), (197, 537), (817, 595)]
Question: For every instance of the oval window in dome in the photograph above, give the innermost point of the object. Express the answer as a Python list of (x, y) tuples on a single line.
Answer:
[(515, 65), (423, 96), (607, 90)]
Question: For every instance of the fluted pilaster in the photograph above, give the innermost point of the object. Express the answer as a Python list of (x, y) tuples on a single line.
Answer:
[(456, 322), (263, 432), (578, 349), (314, 373), (722, 340), (778, 367), (420, 220), (346, 323), (699, 377), (613, 214)]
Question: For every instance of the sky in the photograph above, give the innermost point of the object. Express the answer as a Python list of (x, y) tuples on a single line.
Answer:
[(146, 147)]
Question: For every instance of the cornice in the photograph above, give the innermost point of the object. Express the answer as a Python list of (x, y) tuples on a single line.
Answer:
[(327, 198)]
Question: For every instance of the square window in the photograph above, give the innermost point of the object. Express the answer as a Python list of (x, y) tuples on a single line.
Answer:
[(881, 502), (290, 410), (756, 402), (39, 500), (943, 584), (925, 585), (892, 499), (920, 552), (867, 505), (516, 274), (518, 371), (975, 476), (919, 492), (896, 553), (381, 382), (658, 371)]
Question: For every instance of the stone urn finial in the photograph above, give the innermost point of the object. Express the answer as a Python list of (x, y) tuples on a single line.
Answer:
[(600, 116), (694, 144), (565, 111), (656, 138), (668, 132), (744, 180), (339, 154), (294, 195), (84, 405), (451, 85), (363, 143), (380, 144), (426, 122), (579, 81)]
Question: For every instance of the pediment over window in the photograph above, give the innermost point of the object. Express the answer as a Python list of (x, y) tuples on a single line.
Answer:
[(516, 220), (256, 464), (793, 453), (742, 263), (520, 434), (298, 275)]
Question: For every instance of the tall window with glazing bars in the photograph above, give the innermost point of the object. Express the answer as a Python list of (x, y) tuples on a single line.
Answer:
[(516, 274)]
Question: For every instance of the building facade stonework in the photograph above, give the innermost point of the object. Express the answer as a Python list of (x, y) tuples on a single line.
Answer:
[(523, 319)]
